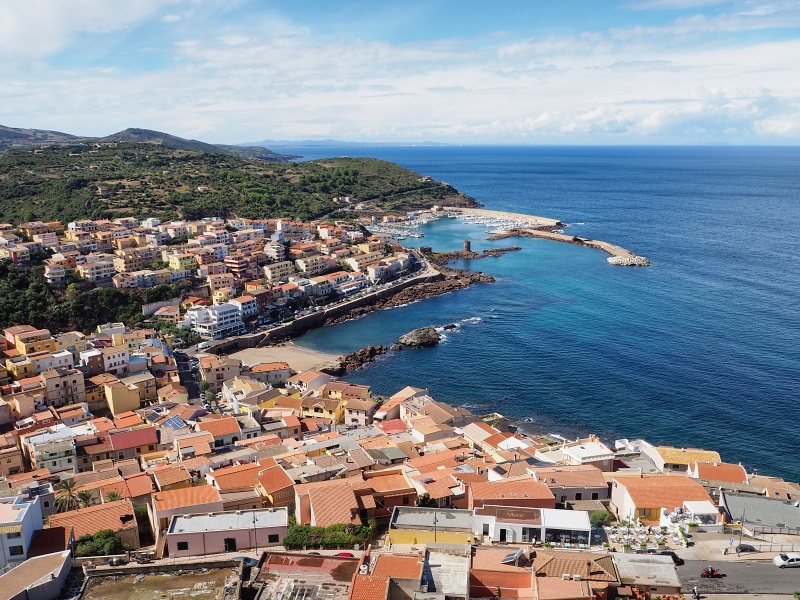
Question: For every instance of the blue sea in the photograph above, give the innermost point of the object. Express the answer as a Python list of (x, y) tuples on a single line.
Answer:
[(700, 349)]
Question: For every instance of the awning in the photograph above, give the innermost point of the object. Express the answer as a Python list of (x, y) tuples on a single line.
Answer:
[(625, 590)]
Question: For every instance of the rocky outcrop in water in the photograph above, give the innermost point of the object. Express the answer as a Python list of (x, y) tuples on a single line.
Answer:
[(359, 358), (421, 338)]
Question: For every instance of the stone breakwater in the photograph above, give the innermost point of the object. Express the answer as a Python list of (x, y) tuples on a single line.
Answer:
[(442, 258), (619, 255)]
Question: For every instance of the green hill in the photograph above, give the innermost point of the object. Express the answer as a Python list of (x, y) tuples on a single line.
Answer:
[(11, 137), (121, 178)]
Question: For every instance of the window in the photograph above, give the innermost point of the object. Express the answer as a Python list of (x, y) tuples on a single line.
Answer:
[(578, 496), (183, 545), (15, 551), (405, 500), (595, 496), (273, 538), (13, 535), (47, 503)]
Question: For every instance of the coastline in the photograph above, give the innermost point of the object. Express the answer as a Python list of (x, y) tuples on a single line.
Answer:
[(544, 228)]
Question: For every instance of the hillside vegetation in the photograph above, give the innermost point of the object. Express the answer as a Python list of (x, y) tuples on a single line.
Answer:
[(131, 179)]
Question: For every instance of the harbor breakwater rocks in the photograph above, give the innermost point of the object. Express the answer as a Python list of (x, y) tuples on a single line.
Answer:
[(359, 358), (629, 261), (442, 258)]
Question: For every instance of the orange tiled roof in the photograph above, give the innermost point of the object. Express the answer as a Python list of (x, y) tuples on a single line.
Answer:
[(722, 472), (369, 587), (139, 485), (590, 566), (236, 477), (171, 475), (186, 497), (662, 491), (399, 566), (273, 479), (115, 516), (267, 367), (220, 427), (520, 487)]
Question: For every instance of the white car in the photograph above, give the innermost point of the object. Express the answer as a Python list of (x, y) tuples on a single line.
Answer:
[(788, 559)]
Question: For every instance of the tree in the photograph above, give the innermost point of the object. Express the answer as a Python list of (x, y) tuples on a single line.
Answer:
[(67, 497), (102, 543), (204, 386), (85, 498), (426, 500), (113, 496), (209, 397), (600, 518)]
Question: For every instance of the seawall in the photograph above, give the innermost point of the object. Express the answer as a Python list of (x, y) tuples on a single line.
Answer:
[(317, 319)]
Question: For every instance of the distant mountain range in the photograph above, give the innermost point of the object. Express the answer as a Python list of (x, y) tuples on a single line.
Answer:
[(325, 143), (11, 137)]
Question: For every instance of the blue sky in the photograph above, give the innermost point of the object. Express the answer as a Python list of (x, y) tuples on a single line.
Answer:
[(514, 72)]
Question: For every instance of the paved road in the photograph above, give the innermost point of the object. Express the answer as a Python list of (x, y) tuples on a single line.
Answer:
[(751, 577), (188, 379)]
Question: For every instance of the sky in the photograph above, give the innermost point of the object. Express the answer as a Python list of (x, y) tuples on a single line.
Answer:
[(460, 71)]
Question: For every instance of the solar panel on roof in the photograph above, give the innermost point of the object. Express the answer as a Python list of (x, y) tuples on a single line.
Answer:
[(174, 423), (510, 559), (152, 416)]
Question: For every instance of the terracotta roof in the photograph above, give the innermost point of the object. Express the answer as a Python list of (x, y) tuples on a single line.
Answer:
[(389, 484), (115, 516), (359, 404), (369, 587), (570, 476), (590, 566), (273, 479), (267, 367), (139, 485), (170, 475), (519, 488), (392, 426), (722, 472), (185, 497), (333, 501), (438, 458), (134, 438), (398, 566), (220, 427), (234, 478), (127, 419), (662, 491)]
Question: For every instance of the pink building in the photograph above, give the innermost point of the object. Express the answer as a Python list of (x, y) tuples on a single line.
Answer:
[(231, 531)]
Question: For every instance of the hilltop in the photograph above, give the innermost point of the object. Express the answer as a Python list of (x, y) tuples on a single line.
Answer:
[(112, 179), (15, 138)]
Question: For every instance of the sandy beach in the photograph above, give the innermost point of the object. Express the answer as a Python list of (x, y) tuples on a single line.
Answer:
[(299, 359)]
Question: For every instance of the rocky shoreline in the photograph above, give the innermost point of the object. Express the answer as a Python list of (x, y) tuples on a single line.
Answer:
[(440, 259), (454, 279)]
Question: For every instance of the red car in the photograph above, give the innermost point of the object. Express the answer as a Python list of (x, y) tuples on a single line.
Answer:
[(346, 554)]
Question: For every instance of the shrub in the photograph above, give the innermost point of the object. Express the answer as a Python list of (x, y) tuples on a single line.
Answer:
[(600, 518)]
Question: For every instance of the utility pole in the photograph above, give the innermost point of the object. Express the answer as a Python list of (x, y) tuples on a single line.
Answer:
[(255, 533), (435, 521), (741, 528)]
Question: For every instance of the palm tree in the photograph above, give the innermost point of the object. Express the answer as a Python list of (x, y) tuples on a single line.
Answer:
[(85, 498), (66, 497), (113, 496)]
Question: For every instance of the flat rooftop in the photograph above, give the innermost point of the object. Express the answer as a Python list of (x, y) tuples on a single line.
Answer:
[(420, 518), (288, 575), (224, 521)]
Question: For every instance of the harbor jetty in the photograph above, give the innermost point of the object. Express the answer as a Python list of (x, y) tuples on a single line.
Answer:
[(549, 229)]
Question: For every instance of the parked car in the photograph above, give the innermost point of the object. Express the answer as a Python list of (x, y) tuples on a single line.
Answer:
[(675, 558), (788, 559), (117, 561), (346, 554), (746, 548)]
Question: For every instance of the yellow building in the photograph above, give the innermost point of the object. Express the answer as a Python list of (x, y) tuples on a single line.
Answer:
[(325, 408), (145, 384), (121, 398), (182, 261), (39, 340)]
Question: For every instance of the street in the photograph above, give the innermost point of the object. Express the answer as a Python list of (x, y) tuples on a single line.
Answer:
[(187, 377), (740, 578)]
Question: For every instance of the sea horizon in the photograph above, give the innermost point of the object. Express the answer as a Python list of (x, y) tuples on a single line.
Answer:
[(697, 350)]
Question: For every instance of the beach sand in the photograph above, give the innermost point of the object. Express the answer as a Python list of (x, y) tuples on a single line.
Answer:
[(299, 359)]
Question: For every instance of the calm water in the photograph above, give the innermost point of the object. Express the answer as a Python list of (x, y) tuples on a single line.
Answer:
[(700, 349)]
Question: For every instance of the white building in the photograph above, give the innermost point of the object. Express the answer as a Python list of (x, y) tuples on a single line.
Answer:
[(19, 519), (513, 525), (215, 322)]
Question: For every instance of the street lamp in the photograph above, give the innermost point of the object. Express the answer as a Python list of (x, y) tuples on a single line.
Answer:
[(435, 521)]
